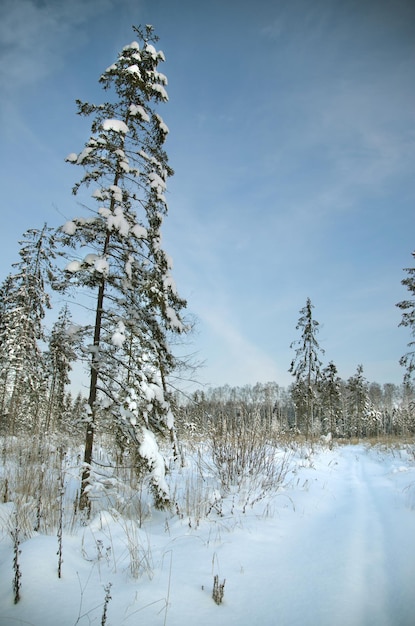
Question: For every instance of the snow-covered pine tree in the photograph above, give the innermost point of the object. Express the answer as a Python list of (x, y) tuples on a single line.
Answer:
[(24, 300), (408, 319), (331, 400), (117, 255), (5, 366), (306, 366), (358, 404), (59, 358)]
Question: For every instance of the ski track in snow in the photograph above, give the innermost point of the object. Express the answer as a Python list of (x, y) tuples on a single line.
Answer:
[(348, 562), (336, 549)]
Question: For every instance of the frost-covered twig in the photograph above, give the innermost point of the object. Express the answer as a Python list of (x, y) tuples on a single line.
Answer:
[(16, 566), (81, 601), (168, 588), (107, 590), (60, 523)]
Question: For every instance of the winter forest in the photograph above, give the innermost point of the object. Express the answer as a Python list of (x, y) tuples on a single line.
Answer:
[(92, 480)]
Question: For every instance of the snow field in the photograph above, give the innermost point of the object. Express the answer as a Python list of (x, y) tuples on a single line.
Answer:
[(333, 545)]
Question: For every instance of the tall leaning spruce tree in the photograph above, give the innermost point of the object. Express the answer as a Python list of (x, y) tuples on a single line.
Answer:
[(306, 366), (115, 253)]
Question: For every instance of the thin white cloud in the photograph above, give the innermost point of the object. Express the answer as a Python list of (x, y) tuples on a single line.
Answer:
[(37, 37), (235, 358)]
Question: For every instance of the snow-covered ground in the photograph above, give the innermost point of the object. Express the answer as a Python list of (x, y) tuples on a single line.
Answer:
[(335, 547)]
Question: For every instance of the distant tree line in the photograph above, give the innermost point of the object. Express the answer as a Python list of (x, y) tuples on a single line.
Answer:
[(319, 402), (346, 409)]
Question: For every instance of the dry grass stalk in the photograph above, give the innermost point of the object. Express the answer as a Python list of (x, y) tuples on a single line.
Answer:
[(218, 589)]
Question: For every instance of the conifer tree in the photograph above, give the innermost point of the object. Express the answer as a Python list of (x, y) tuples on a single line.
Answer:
[(358, 403), (59, 359), (24, 300), (5, 365), (306, 365), (331, 399), (117, 256), (408, 319)]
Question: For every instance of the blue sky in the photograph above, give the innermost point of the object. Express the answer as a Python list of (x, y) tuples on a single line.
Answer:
[(292, 136)]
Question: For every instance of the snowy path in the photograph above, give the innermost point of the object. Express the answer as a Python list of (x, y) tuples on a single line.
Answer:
[(344, 557), (351, 553)]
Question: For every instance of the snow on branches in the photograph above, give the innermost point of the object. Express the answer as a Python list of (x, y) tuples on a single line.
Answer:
[(116, 250)]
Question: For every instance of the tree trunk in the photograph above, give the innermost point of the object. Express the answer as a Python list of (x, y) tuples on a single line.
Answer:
[(84, 502)]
